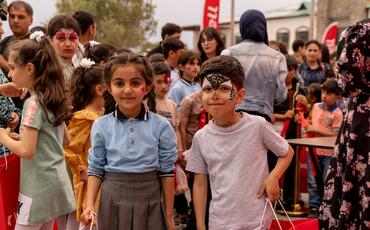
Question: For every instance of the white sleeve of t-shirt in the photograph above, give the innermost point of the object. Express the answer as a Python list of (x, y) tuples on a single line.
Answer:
[(196, 162)]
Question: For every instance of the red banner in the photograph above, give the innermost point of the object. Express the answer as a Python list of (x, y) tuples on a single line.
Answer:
[(211, 13), (329, 37)]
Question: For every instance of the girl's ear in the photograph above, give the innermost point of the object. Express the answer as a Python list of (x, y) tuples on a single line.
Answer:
[(99, 89), (30, 68), (181, 67), (148, 89)]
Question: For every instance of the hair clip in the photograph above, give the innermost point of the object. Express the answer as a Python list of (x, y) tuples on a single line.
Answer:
[(37, 35), (93, 43), (86, 63)]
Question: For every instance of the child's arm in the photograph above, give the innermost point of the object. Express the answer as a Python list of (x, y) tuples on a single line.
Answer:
[(168, 193), (320, 131), (66, 137), (200, 199), (271, 184), (25, 147), (184, 114), (281, 117), (93, 187)]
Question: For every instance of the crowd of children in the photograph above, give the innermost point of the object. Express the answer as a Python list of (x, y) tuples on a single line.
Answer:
[(106, 135)]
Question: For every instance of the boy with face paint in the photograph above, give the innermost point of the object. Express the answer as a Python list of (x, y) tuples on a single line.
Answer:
[(236, 160)]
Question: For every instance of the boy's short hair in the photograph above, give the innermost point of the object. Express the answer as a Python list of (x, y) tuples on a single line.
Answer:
[(291, 62), (84, 19), (227, 66), (169, 29), (172, 44), (297, 43), (160, 68), (331, 86)]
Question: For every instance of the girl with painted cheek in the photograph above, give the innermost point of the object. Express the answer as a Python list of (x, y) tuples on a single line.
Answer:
[(132, 154), (189, 68), (45, 189), (64, 31)]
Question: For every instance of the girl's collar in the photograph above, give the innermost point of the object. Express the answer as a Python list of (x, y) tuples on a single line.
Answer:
[(143, 115)]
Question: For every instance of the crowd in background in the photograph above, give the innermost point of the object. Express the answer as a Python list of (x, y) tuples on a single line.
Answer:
[(114, 138)]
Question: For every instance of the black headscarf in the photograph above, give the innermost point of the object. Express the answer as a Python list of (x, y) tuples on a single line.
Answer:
[(253, 26)]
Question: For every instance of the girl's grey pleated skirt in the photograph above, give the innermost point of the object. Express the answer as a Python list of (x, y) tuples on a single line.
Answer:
[(131, 201)]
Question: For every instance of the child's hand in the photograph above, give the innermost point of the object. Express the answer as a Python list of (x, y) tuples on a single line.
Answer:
[(88, 215), (4, 133), (83, 175), (271, 187), (289, 114), (15, 136), (13, 122), (302, 100), (310, 128), (180, 189)]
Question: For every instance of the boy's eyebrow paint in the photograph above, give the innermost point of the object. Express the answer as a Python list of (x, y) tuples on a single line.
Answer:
[(216, 80)]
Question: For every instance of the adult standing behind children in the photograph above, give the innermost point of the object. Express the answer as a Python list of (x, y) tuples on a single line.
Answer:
[(238, 170), (20, 20), (346, 201), (172, 49), (210, 44), (265, 69), (169, 30)]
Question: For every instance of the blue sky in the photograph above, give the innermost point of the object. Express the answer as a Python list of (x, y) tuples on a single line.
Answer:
[(182, 12)]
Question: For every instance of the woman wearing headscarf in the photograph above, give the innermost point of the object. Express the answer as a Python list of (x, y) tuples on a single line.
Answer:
[(346, 200), (265, 69)]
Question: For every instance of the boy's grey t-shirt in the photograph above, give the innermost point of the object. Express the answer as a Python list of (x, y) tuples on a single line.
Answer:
[(235, 158)]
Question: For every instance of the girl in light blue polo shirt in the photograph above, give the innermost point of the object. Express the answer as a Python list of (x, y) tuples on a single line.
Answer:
[(132, 154)]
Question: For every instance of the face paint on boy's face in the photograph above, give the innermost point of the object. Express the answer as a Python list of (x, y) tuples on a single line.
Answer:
[(220, 85)]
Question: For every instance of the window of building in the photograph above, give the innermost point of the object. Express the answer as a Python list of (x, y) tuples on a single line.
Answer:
[(302, 33), (282, 35)]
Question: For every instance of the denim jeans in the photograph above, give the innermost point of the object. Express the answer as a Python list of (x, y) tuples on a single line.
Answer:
[(313, 194)]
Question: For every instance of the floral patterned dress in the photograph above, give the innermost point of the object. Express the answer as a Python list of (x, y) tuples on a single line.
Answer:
[(346, 200)]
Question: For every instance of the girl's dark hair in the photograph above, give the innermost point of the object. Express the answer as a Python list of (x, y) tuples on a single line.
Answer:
[(187, 57), (315, 90), (123, 50), (291, 62), (83, 85), (49, 83), (313, 42), (210, 32), (99, 53), (62, 21), (139, 62), (226, 65), (325, 53)]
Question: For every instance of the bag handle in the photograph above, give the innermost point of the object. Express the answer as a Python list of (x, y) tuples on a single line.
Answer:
[(93, 218), (273, 211)]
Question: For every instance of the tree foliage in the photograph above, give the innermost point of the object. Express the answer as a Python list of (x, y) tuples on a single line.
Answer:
[(122, 23)]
